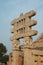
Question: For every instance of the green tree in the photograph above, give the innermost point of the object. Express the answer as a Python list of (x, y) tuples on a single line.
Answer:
[(3, 51)]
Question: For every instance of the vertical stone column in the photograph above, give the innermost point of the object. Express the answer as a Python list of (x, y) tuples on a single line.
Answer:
[(15, 52), (28, 59), (39, 60)]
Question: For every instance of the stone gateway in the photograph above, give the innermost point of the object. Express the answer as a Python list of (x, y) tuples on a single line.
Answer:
[(30, 53)]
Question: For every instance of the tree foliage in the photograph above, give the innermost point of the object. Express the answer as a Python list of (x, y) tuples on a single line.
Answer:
[(3, 51)]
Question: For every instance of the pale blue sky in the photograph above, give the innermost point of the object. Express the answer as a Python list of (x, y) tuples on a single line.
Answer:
[(11, 9)]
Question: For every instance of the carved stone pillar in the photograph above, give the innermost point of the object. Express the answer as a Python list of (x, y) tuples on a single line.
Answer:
[(28, 59), (15, 52)]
